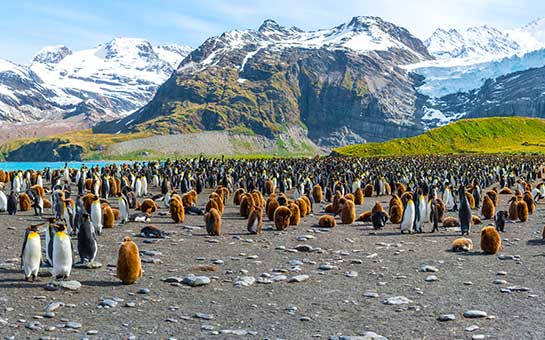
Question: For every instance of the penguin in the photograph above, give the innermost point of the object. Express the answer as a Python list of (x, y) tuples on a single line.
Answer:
[(255, 221), (490, 240), (129, 265), (358, 197), (327, 221), (282, 217), (49, 235), (148, 206), (212, 220), (464, 212), (31, 254), (177, 211), (448, 199), (317, 193), (87, 241), (421, 212), (237, 196), (302, 204), (152, 232), (409, 215), (348, 211), (96, 214), (488, 208), (3, 202), (462, 244), (522, 210), (62, 253), (24, 202), (368, 191), (138, 187), (365, 216), (247, 204), (270, 207), (295, 218), (123, 207), (499, 220), (108, 217), (379, 219)]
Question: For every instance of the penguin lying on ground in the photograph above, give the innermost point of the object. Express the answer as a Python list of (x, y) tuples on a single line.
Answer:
[(152, 232)]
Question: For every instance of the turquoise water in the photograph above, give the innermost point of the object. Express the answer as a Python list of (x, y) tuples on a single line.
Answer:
[(8, 166)]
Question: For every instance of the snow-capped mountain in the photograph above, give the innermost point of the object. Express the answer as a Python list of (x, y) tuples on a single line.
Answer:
[(475, 42), (342, 83), (101, 83)]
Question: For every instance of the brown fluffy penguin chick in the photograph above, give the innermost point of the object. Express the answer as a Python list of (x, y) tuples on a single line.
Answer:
[(493, 196), (269, 187), (189, 198), (88, 201), (451, 222), (470, 200), (148, 206), (129, 267), (475, 220), (237, 196), (259, 201), (117, 214), (113, 186), (369, 190), (309, 204), (490, 240), (211, 204), (358, 197), (377, 207), (513, 208), (39, 190), (295, 214), (529, 202), (246, 205), (223, 192), (255, 221), (282, 216), (365, 216), (506, 191), (396, 213), (400, 189), (177, 211), (462, 244), (336, 200), (329, 209), (213, 222), (302, 206), (88, 183), (317, 193), (271, 207), (522, 211), (24, 202), (219, 201), (108, 217), (488, 208), (327, 221), (348, 212)]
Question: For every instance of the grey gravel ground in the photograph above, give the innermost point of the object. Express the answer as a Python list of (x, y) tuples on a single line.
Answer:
[(350, 275)]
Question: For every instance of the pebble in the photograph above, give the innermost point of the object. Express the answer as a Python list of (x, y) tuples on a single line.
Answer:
[(217, 261), (88, 265), (92, 332), (356, 261), (49, 315), (500, 282), (73, 325), (204, 316), (431, 278), (396, 300), (108, 303), (468, 283), (143, 291), (478, 337), (505, 290), (130, 304), (351, 274), (471, 328), (370, 294), (472, 314), (326, 266), (305, 318), (501, 273), (33, 325), (295, 263), (53, 306), (279, 278), (244, 281), (196, 281), (207, 327), (298, 278), (305, 248), (446, 317), (173, 279), (237, 332), (518, 289), (430, 269)]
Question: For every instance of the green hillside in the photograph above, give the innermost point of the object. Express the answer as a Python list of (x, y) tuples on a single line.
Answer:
[(484, 135)]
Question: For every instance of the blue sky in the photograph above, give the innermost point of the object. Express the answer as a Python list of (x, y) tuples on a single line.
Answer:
[(29, 25)]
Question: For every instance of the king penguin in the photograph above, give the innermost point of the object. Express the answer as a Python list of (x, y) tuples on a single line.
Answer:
[(87, 241), (96, 214), (31, 255), (62, 253), (409, 215), (464, 214)]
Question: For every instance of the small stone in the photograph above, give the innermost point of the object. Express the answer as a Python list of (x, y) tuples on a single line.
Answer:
[(204, 316), (217, 261), (370, 294), (244, 281), (304, 318), (130, 304), (92, 332), (237, 332), (298, 278), (471, 328), (356, 261), (305, 248), (446, 317), (34, 325), (472, 314), (430, 269), (518, 289), (326, 266), (73, 325), (143, 291), (49, 315), (351, 274), (501, 273), (279, 278), (207, 328), (173, 279), (500, 282), (196, 281), (108, 303), (396, 300), (431, 278), (88, 265), (295, 263), (478, 337), (468, 283), (53, 306)]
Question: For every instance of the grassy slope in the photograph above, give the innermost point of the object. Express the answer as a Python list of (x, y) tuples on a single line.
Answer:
[(484, 135)]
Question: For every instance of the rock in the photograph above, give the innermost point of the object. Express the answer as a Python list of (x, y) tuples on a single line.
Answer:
[(279, 278), (73, 325), (370, 294), (244, 281), (505, 290), (204, 316), (237, 332), (501, 273), (217, 261), (143, 291), (196, 281), (130, 304), (92, 332), (468, 283), (518, 289), (351, 274), (295, 263), (68, 285), (473, 314), (305, 248), (430, 269), (365, 336), (478, 337), (471, 328), (88, 265), (326, 266), (431, 278), (173, 279), (298, 278), (53, 306), (446, 317), (500, 282), (207, 328), (49, 315), (305, 318), (396, 300), (356, 261), (108, 303)]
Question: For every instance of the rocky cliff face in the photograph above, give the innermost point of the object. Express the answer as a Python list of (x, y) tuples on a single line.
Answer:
[(46, 151), (341, 85)]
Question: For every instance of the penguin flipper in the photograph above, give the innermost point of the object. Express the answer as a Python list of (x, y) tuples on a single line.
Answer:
[(24, 246)]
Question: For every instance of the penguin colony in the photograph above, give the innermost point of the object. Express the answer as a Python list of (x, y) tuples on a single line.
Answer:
[(84, 203)]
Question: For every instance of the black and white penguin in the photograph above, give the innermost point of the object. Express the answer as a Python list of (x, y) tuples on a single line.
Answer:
[(12, 204), (409, 216), (87, 241), (464, 213), (123, 206), (379, 219), (3, 202), (31, 254), (499, 220), (62, 253)]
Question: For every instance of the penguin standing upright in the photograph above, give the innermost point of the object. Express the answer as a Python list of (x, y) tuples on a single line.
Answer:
[(31, 255), (123, 208), (129, 265), (87, 241), (49, 234), (12, 204), (96, 214), (3, 202), (62, 253), (409, 216), (421, 212), (464, 213)]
